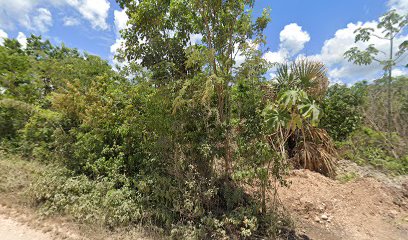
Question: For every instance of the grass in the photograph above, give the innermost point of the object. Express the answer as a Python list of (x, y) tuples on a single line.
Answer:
[(16, 176), (347, 177)]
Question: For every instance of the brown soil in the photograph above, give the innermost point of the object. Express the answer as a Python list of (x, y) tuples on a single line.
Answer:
[(12, 230), (18, 222), (370, 206)]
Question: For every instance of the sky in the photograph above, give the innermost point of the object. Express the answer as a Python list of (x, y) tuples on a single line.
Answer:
[(319, 29)]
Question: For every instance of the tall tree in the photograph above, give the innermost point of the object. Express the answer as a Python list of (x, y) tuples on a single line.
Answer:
[(391, 25), (159, 34)]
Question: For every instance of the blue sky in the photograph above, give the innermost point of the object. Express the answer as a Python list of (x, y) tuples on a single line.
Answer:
[(320, 29)]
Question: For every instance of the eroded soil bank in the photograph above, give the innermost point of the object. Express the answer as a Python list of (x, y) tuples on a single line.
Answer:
[(369, 206)]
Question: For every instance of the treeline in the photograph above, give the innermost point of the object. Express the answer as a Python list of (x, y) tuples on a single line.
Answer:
[(183, 139), (356, 117)]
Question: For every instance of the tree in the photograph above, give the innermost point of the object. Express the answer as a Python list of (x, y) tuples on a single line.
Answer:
[(159, 35), (391, 25), (293, 116), (342, 111)]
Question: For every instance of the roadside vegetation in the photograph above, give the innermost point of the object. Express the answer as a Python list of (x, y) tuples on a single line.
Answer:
[(182, 139)]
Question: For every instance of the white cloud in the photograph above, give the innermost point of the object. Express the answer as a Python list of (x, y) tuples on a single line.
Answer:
[(293, 38), (95, 11), (22, 39), (14, 10), (23, 12), (292, 41), (71, 21), (400, 72), (400, 5), (41, 21), (276, 57), (332, 54), (117, 45), (239, 54), (3, 35), (121, 19)]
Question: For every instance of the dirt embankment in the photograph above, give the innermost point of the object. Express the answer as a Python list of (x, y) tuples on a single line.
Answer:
[(369, 206)]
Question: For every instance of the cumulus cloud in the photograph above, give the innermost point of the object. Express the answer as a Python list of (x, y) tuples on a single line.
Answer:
[(25, 13), (332, 54), (276, 57), (120, 21), (3, 35), (28, 13), (71, 21), (239, 54), (95, 11), (16, 10), (292, 40), (22, 39)]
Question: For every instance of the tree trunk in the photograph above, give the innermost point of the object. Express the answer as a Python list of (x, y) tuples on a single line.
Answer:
[(389, 104)]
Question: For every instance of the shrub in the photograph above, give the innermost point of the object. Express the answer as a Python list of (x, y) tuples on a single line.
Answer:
[(98, 202), (341, 110), (13, 116), (367, 146)]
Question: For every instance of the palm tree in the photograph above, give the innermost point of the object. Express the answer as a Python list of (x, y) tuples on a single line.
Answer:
[(292, 117), (310, 76)]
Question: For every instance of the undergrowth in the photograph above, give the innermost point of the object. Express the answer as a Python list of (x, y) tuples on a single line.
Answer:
[(367, 146), (347, 177), (57, 191)]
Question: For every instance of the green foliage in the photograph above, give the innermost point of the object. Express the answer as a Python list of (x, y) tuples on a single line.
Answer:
[(13, 116), (347, 177), (375, 106), (292, 117), (57, 191), (367, 146), (189, 140), (342, 110), (391, 25)]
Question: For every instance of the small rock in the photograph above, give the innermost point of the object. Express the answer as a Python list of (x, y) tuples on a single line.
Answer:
[(317, 219), (392, 213), (324, 217)]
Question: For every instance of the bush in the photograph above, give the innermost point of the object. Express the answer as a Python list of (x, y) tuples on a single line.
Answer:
[(367, 146), (98, 202), (38, 134), (341, 110), (13, 116)]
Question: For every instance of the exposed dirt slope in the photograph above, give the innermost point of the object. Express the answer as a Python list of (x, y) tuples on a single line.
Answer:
[(363, 208)]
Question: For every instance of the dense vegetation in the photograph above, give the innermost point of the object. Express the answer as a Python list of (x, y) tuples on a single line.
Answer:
[(182, 138)]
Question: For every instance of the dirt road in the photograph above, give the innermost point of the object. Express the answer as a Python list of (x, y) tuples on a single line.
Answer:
[(12, 230)]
